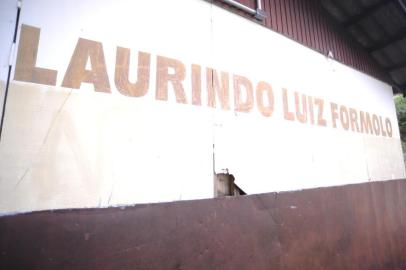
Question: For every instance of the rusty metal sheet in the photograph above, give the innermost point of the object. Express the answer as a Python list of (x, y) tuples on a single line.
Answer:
[(359, 226)]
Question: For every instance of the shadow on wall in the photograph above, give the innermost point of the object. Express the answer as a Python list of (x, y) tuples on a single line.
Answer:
[(224, 185)]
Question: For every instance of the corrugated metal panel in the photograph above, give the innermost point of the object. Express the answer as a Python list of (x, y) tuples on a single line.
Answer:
[(379, 27), (307, 22), (249, 3)]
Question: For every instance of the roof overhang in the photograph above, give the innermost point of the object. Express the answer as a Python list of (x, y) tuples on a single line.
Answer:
[(379, 26)]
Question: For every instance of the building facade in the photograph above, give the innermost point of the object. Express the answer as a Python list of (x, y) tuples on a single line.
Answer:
[(116, 112), (122, 103)]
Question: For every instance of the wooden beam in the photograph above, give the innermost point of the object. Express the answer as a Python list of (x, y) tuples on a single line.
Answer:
[(366, 12), (396, 66), (401, 34)]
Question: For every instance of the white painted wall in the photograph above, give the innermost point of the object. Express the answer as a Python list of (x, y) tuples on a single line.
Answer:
[(275, 154), (8, 13), (66, 148)]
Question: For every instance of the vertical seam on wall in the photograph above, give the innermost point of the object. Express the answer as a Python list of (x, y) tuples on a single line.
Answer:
[(9, 70)]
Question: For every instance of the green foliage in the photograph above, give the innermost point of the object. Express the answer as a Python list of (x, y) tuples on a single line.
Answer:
[(400, 103)]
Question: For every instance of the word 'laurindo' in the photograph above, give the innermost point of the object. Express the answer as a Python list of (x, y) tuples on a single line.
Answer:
[(306, 109)]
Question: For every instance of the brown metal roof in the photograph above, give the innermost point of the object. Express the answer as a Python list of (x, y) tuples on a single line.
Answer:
[(379, 26)]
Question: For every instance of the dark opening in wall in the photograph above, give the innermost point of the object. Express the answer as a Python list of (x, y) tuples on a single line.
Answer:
[(224, 186)]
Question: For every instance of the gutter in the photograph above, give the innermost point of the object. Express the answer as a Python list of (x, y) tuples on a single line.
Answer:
[(258, 12)]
